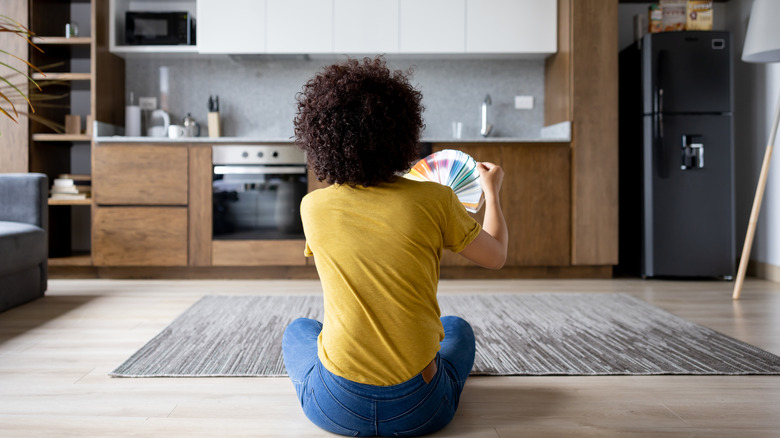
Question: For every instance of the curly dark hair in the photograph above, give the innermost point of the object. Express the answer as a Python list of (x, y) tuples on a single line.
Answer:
[(359, 122)]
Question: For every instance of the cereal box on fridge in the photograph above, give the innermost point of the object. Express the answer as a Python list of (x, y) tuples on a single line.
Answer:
[(699, 15)]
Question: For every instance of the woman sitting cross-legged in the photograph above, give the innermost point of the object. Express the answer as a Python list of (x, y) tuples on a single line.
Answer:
[(383, 362)]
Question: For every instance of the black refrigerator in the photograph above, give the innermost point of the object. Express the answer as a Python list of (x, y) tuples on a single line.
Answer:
[(676, 152)]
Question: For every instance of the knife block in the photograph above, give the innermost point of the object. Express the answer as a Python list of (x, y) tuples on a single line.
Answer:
[(215, 129)]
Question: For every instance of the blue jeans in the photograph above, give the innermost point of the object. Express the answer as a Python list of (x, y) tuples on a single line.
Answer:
[(410, 408)]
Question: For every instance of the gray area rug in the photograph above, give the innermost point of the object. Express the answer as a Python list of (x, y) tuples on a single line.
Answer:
[(539, 334)]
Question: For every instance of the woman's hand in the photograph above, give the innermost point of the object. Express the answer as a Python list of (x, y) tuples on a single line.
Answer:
[(491, 177), (489, 248)]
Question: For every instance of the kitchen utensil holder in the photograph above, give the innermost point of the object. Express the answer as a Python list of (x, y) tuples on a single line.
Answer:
[(215, 129)]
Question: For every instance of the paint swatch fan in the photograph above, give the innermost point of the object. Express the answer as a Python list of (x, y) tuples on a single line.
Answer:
[(455, 169)]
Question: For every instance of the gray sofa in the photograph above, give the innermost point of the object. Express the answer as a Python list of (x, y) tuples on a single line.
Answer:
[(24, 242)]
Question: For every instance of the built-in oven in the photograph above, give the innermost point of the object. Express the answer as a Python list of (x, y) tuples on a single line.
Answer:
[(257, 191)]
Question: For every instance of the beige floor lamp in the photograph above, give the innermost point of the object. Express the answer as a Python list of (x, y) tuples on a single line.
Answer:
[(762, 44)]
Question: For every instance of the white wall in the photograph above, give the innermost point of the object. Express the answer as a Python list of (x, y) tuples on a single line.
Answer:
[(756, 92)]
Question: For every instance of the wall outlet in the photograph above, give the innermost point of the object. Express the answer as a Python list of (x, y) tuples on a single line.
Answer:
[(524, 102), (147, 103)]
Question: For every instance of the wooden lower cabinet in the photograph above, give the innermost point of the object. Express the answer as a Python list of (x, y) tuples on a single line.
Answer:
[(140, 174), (129, 230), (140, 236), (141, 212), (535, 198), (258, 253)]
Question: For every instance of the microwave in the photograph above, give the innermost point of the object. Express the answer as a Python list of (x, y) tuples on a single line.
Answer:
[(159, 28)]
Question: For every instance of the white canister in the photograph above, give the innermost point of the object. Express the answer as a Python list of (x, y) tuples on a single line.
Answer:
[(133, 121)]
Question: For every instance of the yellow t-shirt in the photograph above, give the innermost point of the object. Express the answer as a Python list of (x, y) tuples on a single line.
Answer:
[(377, 252)]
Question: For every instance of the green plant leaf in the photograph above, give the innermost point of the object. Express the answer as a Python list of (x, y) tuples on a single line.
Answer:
[(21, 93), (13, 107), (8, 24)]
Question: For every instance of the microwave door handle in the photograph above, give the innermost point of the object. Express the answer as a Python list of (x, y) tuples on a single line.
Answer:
[(258, 170)]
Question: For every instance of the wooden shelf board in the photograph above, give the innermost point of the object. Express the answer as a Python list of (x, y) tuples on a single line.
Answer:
[(52, 76), (77, 259), (87, 201), (61, 137), (61, 40)]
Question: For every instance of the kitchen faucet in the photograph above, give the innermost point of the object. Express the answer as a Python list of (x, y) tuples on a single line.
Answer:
[(485, 131)]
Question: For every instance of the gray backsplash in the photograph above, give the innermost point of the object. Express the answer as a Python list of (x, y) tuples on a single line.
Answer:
[(257, 94)]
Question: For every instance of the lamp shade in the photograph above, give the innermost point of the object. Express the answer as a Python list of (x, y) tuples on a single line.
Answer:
[(762, 41)]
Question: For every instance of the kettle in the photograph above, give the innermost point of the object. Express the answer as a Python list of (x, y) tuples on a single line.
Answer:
[(191, 126), (158, 124)]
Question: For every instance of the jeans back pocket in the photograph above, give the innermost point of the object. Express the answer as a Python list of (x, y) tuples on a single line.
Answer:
[(442, 417), (316, 414)]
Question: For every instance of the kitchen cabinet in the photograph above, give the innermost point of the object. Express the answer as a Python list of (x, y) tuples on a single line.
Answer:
[(140, 236), (153, 207), (299, 26), (535, 198), (511, 26), (140, 174), (432, 26), (258, 253), (141, 205), (231, 26), (264, 26), (365, 26), (452, 27), (581, 87)]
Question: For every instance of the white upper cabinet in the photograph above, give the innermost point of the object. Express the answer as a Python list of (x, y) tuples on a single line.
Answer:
[(357, 27), (299, 26), (231, 26), (511, 26), (433, 26), (365, 26)]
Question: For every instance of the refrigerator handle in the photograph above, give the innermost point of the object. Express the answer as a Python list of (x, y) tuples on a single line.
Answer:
[(661, 166), (658, 94)]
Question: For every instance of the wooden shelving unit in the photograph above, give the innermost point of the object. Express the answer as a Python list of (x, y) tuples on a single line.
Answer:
[(78, 69), (87, 201), (72, 41), (55, 76), (61, 137)]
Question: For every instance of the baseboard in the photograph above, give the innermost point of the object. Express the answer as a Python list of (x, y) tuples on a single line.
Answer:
[(308, 272), (530, 272), (764, 270), (183, 272)]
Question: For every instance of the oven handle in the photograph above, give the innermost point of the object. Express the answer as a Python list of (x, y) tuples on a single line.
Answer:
[(258, 170)]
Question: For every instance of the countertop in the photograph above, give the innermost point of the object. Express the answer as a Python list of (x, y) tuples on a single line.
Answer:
[(244, 140), (558, 133)]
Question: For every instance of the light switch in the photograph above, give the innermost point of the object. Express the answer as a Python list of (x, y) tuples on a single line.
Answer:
[(524, 102), (147, 103)]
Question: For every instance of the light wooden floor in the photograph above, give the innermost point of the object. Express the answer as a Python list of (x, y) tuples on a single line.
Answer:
[(55, 354)]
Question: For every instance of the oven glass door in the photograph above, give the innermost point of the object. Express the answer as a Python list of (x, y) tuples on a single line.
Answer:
[(258, 202)]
